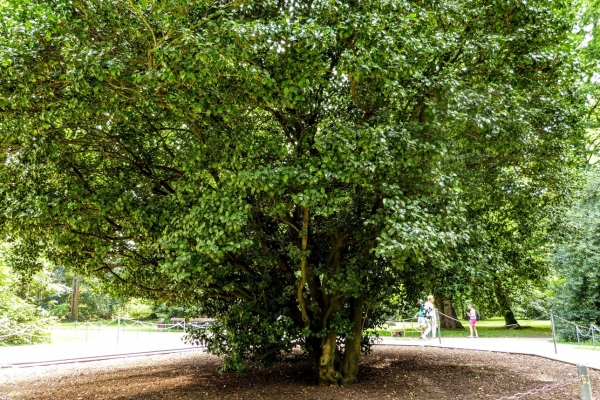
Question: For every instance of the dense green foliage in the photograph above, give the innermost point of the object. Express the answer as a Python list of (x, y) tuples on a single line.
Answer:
[(20, 321), (577, 258), (282, 166)]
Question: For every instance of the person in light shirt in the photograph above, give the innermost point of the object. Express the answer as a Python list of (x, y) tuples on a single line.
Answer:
[(429, 318), (420, 315)]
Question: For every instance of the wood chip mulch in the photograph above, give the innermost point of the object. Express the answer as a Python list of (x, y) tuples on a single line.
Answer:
[(390, 372)]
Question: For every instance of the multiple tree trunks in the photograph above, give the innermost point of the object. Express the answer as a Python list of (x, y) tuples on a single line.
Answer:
[(267, 163), (333, 366)]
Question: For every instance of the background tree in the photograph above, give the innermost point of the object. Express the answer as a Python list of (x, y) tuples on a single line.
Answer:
[(575, 254), (20, 322), (278, 165), (577, 259)]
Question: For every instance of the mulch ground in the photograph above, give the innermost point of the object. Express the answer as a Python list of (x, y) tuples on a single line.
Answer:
[(390, 372)]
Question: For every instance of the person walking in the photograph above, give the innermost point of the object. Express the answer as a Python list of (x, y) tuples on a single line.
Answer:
[(420, 315), (472, 320), (429, 317)]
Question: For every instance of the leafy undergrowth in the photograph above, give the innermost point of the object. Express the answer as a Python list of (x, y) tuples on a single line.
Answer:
[(390, 372)]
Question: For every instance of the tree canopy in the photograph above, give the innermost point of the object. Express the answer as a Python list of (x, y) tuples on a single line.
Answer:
[(277, 164)]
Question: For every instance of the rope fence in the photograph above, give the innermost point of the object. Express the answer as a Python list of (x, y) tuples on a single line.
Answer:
[(9, 330), (582, 332), (590, 333), (28, 332)]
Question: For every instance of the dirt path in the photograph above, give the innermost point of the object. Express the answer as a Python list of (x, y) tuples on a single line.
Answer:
[(532, 346), (391, 372)]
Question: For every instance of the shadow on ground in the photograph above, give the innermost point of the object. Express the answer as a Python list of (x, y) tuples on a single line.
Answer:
[(388, 373)]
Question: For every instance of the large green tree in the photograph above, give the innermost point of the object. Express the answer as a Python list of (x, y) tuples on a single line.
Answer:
[(576, 256), (577, 259), (275, 164)]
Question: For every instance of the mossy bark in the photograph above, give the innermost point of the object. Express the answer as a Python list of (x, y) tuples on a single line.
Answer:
[(350, 363), (334, 367)]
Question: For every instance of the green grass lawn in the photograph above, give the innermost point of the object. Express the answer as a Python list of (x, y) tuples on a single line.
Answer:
[(491, 327)]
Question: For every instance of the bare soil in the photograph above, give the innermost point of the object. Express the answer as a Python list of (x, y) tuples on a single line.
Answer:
[(390, 372)]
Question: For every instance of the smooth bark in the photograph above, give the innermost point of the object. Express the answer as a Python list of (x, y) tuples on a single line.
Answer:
[(75, 299)]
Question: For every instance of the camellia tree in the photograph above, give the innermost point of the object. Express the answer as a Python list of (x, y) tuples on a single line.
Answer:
[(274, 164)]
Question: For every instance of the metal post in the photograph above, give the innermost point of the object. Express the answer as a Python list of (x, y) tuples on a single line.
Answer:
[(118, 329), (553, 331), (577, 332), (592, 327), (584, 382), (438, 327)]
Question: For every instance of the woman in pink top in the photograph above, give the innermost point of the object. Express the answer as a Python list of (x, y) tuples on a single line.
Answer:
[(472, 320)]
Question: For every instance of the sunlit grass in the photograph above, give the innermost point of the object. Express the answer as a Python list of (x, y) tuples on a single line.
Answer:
[(491, 327)]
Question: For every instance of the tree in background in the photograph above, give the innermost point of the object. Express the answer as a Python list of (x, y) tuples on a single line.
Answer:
[(277, 165), (577, 257), (20, 321), (51, 288)]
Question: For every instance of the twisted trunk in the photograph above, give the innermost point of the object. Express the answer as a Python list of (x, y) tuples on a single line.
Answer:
[(352, 349), (333, 366)]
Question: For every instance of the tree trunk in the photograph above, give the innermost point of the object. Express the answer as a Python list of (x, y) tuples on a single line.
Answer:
[(505, 308), (333, 367), (351, 359), (444, 304), (75, 299), (328, 373)]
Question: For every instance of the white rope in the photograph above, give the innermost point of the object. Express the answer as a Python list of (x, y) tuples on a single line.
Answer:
[(16, 332), (569, 322), (449, 317)]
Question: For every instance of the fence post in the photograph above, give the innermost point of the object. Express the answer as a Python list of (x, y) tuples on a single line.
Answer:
[(553, 331), (592, 328), (439, 325), (584, 382), (118, 329)]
